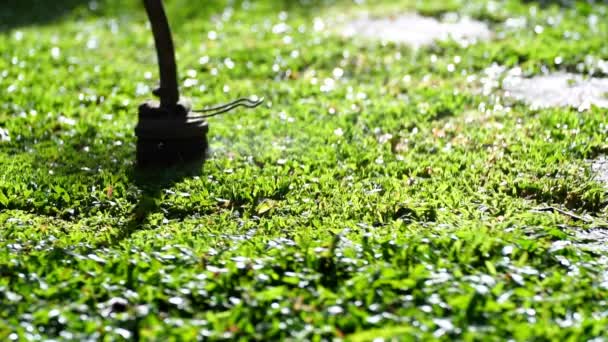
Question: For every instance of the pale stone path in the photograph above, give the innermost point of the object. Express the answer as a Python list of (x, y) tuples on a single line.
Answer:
[(415, 30)]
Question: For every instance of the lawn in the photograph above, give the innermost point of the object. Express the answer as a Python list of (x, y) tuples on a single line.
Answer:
[(379, 192)]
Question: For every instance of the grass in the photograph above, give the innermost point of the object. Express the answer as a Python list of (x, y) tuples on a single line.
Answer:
[(400, 204)]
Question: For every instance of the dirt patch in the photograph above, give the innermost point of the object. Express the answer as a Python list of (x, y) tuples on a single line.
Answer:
[(416, 30), (557, 90)]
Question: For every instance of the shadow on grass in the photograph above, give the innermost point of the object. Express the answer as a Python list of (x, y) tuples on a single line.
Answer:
[(17, 13), (22, 13), (65, 172), (151, 182), (561, 3)]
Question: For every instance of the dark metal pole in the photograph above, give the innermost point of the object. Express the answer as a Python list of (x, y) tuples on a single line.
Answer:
[(168, 91)]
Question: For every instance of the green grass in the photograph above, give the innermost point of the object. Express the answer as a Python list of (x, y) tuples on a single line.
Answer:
[(383, 208)]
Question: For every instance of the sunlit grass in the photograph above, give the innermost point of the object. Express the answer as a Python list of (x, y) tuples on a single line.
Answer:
[(378, 192)]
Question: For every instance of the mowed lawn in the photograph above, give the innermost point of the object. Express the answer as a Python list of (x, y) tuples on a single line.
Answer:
[(381, 191)]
